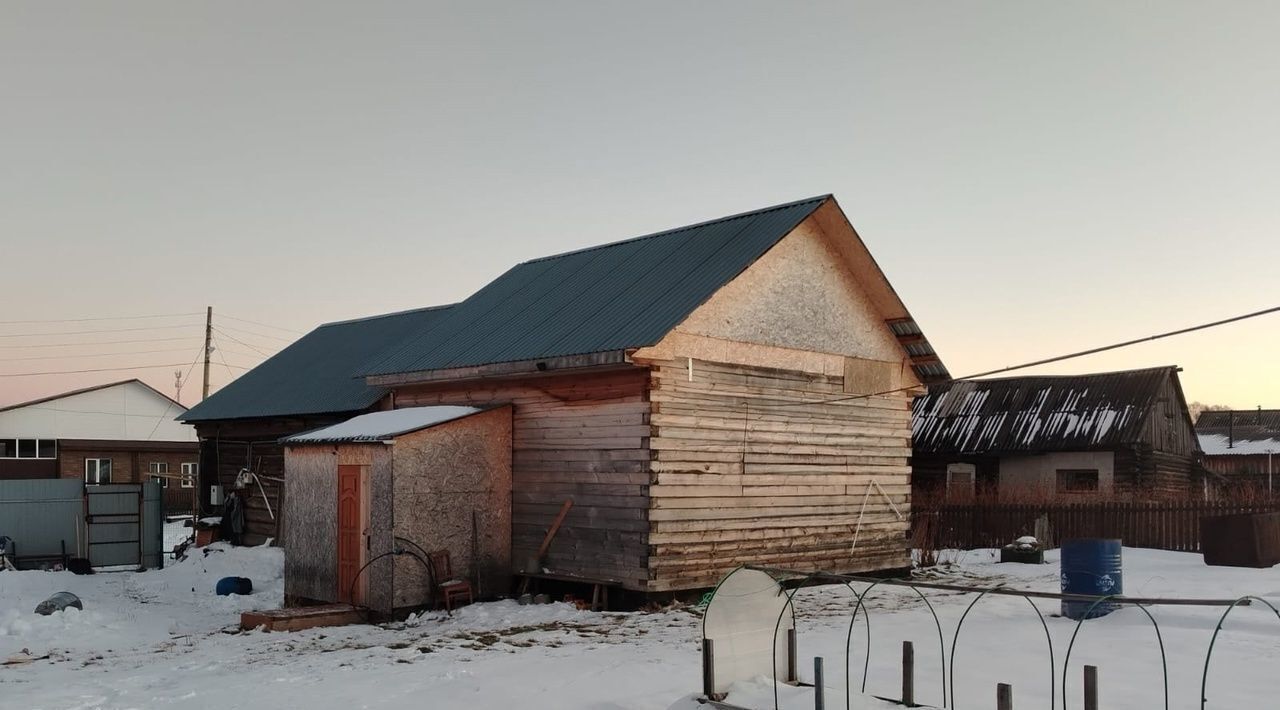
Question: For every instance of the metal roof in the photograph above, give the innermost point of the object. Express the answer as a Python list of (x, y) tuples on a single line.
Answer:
[(606, 298), (382, 426), (1241, 432), (318, 373), (1029, 414)]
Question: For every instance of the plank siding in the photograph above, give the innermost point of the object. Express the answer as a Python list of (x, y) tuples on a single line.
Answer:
[(739, 479), (579, 436)]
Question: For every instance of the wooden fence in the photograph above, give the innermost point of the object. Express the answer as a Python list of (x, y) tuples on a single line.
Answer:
[(1163, 525)]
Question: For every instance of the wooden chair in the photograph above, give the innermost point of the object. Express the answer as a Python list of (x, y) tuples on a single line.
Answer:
[(448, 588)]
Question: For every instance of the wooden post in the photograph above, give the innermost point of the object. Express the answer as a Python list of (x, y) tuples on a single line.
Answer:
[(1090, 688), (792, 666), (819, 702), (708, 669), (908, 674), (1004, 696), (208, 349)]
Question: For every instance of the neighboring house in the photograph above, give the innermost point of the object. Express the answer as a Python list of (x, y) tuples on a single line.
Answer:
[(311, 383), (1115, 434), (1242, 446), (732, 392), (122, 432)]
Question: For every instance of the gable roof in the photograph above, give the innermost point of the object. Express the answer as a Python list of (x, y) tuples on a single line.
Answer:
[(382, 426), (1239, 432), (606, 298), (94, 388), (1038, 413), (317, 373)]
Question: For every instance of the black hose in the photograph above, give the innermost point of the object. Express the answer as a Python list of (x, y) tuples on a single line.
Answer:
[(351, 591), (432, 582)]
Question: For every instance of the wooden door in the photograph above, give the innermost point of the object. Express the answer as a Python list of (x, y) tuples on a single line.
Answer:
[(350, 533)]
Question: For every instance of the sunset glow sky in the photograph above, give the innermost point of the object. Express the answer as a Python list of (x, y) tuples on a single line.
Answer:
[(1033, 178)]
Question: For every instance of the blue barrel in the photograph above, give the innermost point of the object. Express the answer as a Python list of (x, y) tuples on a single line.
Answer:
[(1090, 566), (234, 585)]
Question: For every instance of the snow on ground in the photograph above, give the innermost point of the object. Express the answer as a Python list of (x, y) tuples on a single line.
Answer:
[(162, 639)]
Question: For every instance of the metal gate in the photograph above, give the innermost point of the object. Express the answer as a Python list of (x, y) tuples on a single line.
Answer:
[(121, 525)]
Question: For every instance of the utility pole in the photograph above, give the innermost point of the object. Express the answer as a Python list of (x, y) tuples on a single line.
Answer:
[(208, 349)]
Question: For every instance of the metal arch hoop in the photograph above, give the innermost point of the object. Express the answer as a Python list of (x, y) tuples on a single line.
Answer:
[(1164, 664), (951, 671), (1204, 677), (866, 617), (773, 651)]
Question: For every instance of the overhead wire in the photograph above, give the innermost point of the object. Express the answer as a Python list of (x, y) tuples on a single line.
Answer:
[(218, 329), (80, 357), (181, 382), (264, 325), (96, 369), (87, 332), (101, 318), (244, 331), (32, 346), (1035, 363)]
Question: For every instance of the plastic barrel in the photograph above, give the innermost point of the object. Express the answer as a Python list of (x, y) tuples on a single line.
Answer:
[(1090, 566), (234, 585)]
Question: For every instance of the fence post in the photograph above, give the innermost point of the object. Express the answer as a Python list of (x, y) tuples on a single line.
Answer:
[(792, 675), (708, 669), (819, 701), (1004, 696), (1090, 688), (908, 674)]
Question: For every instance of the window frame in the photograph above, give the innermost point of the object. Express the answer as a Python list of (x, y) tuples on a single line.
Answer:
[(190, 470), (17, 444), (97, 472), (1069, 487)]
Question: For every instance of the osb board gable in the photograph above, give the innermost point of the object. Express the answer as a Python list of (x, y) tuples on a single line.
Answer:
[(442, 475), (802, 294)]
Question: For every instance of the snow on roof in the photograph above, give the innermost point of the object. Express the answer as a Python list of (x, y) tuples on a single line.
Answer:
[(1216, 445), (381, 426)]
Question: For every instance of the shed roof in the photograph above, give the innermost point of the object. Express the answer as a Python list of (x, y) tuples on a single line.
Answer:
[(317, 374), (606, 298), (1247, 432), (1040, 413), (382, 426)]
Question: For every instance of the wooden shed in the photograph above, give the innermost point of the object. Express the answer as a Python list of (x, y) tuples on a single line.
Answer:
[(368, 501)]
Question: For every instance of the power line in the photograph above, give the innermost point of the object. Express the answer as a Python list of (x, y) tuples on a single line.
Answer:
[(242, 331), (86, 320), (264, 325), (80, 357), (99, 342), (86, 332), (1036, 363), (234, 338), (218, 350), (96, 369), (181, 382)]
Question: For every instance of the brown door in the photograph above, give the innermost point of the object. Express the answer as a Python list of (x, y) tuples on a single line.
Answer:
[(349, 532)]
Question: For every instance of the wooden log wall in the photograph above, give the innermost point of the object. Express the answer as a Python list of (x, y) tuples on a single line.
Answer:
[(747, 470), (581, 436)]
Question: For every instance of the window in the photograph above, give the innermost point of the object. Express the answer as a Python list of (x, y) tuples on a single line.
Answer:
[(189, 473), (28, 449), (960, 481), (1077, 480), (159, 467), (97, 471)]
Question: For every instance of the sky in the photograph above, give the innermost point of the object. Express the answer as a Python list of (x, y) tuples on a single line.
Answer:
[(1033, 178)]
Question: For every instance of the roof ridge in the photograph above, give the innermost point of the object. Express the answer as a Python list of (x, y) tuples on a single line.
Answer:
[(405, 312), (682, 228), (82, 390)]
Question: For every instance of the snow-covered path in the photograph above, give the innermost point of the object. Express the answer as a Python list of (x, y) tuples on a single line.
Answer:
[(159, 640)]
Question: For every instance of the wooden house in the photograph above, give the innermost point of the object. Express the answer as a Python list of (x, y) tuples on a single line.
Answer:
[(1108, 435), (119, 432), (732, 392), (1242, 446), (413, 480)]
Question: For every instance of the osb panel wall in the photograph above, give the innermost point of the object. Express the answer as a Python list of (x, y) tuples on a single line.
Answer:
[(579, 436), (757, 466), (443, 476), (310, 523), (799, 295)]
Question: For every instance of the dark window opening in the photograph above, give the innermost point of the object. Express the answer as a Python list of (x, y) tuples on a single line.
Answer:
[(1077, 480)]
